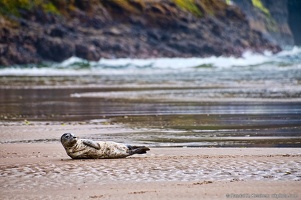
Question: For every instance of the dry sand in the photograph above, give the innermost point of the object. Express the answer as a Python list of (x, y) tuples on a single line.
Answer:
[(42, 170)]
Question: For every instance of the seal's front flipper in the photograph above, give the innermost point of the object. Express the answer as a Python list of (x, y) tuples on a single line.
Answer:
[(92, 144)]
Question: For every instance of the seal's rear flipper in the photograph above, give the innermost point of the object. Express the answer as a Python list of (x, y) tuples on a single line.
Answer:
[(137, 149)]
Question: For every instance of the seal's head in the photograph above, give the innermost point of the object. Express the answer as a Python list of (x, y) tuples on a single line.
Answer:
[(68, 139)]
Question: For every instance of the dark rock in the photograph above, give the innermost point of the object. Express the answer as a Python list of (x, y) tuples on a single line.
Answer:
[(58, 31), (87, 52), (54, 49)]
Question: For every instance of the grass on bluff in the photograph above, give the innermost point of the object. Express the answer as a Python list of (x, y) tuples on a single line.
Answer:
[(190, 6), (13, 7), (198, 8), (258, 4)]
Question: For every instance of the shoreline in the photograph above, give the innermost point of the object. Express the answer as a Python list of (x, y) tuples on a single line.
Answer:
[(43, 170), (120, 129)]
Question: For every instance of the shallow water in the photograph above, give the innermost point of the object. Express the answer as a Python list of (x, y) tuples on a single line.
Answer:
[(224, 124), (251, 101)]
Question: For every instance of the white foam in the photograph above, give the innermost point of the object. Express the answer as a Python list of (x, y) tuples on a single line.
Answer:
[(294, 51), (40, 72), (247, 59), (72, 66), (71, 61)]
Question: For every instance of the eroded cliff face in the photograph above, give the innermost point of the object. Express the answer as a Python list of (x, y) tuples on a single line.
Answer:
[(129, 28), (280, 23)]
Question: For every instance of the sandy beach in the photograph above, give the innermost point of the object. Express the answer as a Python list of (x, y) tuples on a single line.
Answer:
[(212, 88), (34, 165)]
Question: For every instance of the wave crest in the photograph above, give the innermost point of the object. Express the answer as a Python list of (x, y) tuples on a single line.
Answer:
[(77, 66)]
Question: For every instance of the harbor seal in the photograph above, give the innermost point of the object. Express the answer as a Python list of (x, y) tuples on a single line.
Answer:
[(85, 149)]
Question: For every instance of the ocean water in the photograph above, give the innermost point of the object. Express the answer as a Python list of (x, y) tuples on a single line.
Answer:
[(250, 101)]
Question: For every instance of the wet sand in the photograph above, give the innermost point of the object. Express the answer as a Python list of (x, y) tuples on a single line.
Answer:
[(34, 165), (192, 124)]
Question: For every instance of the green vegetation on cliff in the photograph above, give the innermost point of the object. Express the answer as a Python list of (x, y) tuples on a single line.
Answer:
[(258, 4), (190, 6), (271, 24), (198, 8), (14, 7)]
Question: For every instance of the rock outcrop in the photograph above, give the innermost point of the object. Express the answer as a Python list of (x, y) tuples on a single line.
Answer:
[(270, 18), (126, 28)]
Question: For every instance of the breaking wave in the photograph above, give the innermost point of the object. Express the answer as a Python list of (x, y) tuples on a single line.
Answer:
[(78, 67)]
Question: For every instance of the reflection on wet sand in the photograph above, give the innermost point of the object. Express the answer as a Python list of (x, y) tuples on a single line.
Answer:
[(162, 123)]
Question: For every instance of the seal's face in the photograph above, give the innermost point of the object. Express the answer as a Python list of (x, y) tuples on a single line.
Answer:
[(68, 139)]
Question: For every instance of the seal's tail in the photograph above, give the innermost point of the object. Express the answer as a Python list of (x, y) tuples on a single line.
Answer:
[(138, 149)]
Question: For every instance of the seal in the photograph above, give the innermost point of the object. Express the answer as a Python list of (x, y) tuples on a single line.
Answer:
[(89, 149)]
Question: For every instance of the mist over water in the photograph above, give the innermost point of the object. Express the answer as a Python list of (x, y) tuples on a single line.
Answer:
[(216, 101)]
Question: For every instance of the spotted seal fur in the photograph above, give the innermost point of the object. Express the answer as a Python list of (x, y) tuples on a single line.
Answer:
[(85, 149)]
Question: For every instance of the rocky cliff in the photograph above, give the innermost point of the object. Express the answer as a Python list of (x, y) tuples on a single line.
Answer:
[(278, 21), (33, 31)]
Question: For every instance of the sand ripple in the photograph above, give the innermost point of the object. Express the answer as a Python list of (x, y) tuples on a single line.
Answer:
[(76, 173)]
